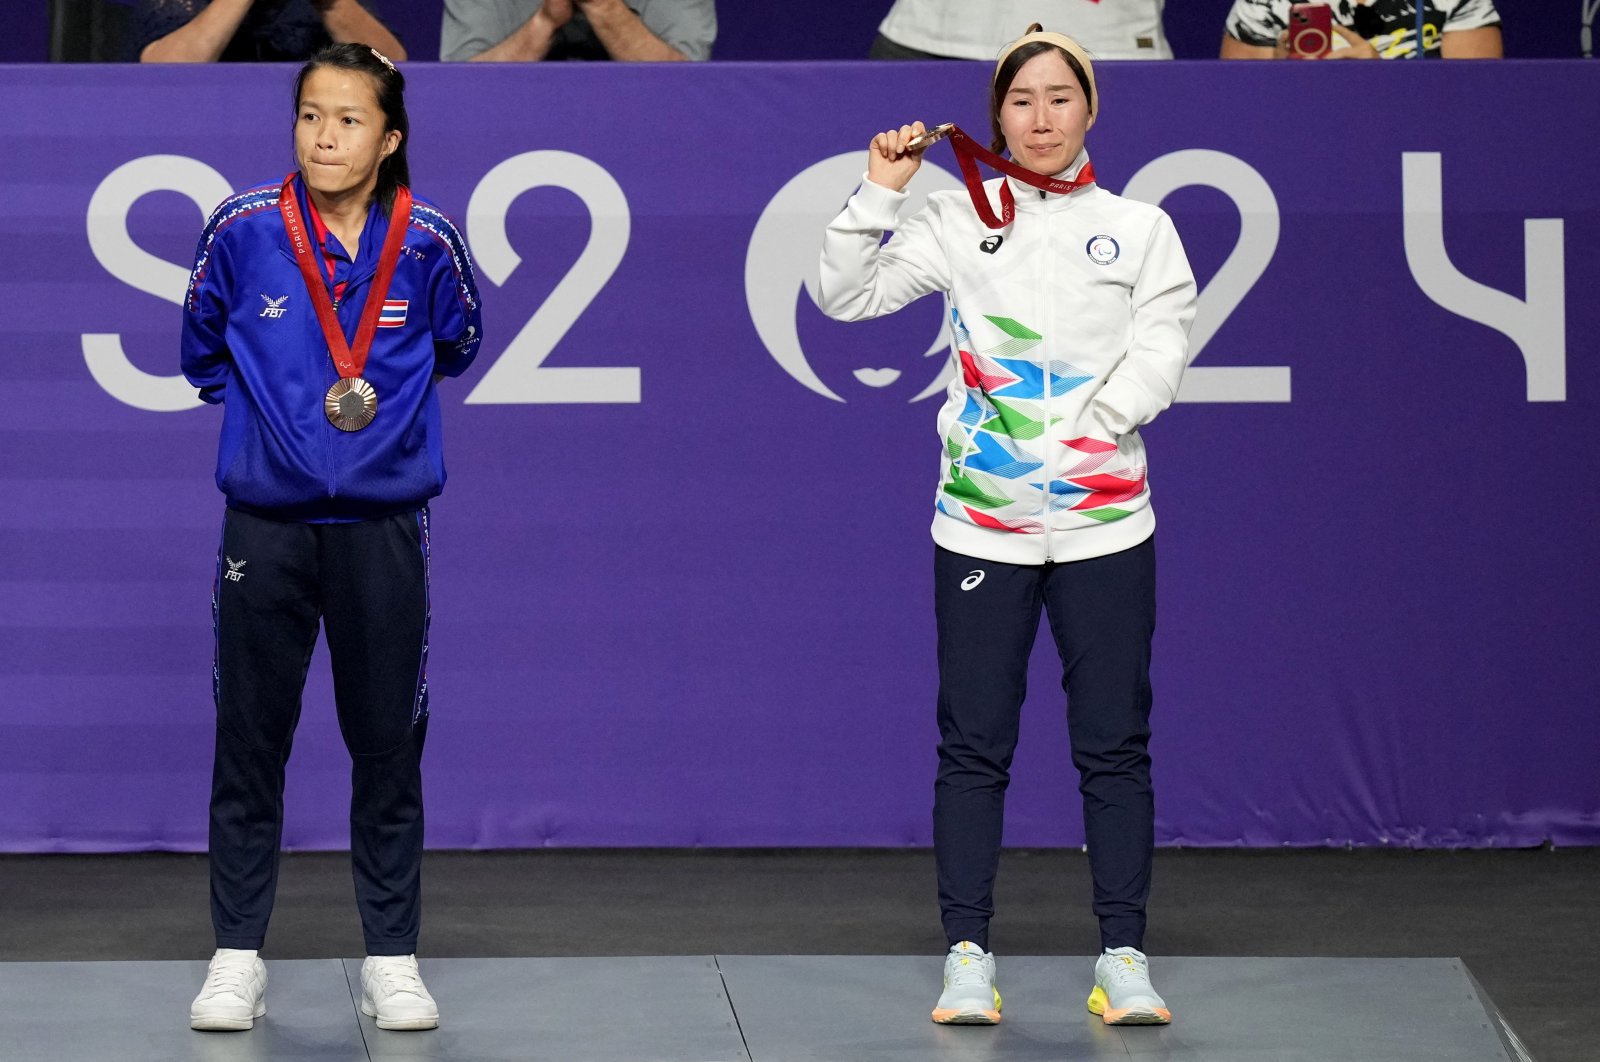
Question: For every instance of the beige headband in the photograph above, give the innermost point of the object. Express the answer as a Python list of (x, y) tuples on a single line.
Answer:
[(1066, 44)]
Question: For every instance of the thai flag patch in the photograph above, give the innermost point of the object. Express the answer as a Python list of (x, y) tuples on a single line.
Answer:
[(393, 314)]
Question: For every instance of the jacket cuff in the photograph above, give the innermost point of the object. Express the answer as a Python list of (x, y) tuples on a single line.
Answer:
[(878, 206)]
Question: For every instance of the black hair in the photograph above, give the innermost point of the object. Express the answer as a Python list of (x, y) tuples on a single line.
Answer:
[(389, 84), (1008, 73)]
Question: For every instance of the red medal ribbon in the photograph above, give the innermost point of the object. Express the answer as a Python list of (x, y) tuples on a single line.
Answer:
[(969, 152), (350, 360), (320, 228)]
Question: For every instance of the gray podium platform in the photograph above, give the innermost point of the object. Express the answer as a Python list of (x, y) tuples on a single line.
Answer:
[(808, 1009), (757, 1008), (139, 1012)]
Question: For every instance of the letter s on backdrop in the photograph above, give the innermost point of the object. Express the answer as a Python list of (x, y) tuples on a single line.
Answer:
[(116, 252)]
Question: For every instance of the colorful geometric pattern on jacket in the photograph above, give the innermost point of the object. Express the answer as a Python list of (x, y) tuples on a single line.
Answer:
[(995, 448)]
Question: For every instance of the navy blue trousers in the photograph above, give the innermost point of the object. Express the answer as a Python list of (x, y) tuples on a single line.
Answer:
[(367, 584), (1102, 614)]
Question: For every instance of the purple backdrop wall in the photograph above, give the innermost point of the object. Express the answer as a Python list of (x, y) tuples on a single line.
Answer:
[(694, 608)]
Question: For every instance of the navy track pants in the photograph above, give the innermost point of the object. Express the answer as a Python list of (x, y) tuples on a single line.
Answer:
[(1102, 615), (367, 584)]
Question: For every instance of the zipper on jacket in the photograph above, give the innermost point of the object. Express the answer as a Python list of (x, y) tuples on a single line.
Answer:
[(328, 429), (1047, 326), (329, 432), (327, 440)]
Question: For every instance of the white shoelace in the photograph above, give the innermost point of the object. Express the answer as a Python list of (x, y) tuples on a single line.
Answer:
[(227, 975), (1126, 970), (397, 977), (974, 970)]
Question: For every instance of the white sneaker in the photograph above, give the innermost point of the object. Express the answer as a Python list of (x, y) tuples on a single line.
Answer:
[(970, 997), (234, 994), (392, 992), (1122, 992)]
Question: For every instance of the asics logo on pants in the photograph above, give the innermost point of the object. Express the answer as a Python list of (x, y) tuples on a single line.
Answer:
[(972, 580)]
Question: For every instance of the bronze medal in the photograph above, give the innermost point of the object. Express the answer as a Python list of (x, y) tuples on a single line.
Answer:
[(923, 141), (350, 404)]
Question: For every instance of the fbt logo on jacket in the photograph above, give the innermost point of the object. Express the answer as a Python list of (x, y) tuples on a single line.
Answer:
[(275, 307)]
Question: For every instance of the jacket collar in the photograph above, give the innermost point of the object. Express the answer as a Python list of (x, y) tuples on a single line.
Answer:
[(1027, 196), (364, 260)]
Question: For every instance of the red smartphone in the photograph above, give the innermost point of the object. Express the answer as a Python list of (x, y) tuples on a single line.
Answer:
[(1310, 31)]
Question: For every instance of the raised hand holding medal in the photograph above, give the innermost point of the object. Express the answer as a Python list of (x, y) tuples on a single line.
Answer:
[(924, 141), (894, 158), (891, 160)]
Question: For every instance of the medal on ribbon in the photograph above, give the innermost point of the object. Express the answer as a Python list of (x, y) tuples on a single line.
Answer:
[(969, 153), (351, 403)]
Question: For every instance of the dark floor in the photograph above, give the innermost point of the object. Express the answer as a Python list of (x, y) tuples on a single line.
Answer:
[(1526, 922)]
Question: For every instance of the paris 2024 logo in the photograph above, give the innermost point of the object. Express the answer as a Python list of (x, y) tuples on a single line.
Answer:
[(784, 258)]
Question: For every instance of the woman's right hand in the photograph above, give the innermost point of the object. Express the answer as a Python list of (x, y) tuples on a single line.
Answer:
[(888, 162)]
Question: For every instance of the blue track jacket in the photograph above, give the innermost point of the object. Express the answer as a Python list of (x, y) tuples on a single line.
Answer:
[(251, 341)]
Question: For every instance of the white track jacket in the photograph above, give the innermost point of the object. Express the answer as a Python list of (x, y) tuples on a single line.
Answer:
[(1071, 329)]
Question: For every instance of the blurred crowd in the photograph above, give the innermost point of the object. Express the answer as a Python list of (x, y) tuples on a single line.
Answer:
[(470, 30), (676, 30)]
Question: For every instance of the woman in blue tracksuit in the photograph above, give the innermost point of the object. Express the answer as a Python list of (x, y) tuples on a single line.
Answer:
[(321, 313)]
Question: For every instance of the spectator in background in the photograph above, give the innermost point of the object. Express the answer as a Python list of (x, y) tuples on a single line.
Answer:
[(530, 30), (253, 31), (1371, 29), (965, 29)]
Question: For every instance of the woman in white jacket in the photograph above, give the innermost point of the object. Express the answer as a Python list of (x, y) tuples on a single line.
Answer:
[(1070, 312)]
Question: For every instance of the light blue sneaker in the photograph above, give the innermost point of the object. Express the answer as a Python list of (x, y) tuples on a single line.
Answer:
[(970, 997), (1122, 992)]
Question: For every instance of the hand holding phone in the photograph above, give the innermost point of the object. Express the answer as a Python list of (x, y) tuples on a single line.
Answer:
[(1310, 31)]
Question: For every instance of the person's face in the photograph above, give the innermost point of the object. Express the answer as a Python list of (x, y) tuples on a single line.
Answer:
[(1044, 115), (339, 135)]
